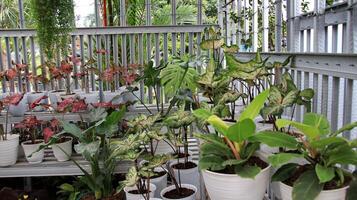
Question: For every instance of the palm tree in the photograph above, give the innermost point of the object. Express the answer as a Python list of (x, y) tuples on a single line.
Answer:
[(9, 14)]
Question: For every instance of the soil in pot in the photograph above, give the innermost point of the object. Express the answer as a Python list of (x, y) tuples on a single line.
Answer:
[(253, 161), (182, 193), (331, 185), (181, 155), (188, 165), (136, 192)]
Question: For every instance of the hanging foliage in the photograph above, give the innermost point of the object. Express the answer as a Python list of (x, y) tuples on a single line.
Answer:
[(54, 20)]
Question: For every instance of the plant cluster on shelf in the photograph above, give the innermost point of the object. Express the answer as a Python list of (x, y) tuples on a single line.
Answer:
[(241, 111)]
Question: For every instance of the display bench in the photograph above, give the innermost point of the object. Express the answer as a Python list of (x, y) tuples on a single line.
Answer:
[(50, 166)]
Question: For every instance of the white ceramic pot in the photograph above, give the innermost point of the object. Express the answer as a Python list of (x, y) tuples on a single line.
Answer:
[(188, 176), (152, 199), (172, 187), (159, 182), (8, 150), (130, 196), (20, 109), (337, 194), (30, 148), (89, 98), (60, 148), (55, 97), (108, 96), (31, 97), (231, 186)]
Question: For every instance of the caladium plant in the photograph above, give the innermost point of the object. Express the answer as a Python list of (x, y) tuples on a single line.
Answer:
[(5, 103), (323, 150), (71, 104), (231, 149), (29, 128)]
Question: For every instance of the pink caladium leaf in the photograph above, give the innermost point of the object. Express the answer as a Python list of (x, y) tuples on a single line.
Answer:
[(11, 74), (14, 99), (37, 102), (79, 105), (47, 134)]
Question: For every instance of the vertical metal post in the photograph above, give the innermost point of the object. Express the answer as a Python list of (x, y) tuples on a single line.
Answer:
[(3, 82), (99, 63), (21, 14), (220, 13), (199, 12), (278, 25), (239, 28), (148, 12), (334, 104), (74, 56), (227, 23), (319, 26), (97, 13), (255, 25), (246, 21), (141, 62), (122, 13), (265, 43)]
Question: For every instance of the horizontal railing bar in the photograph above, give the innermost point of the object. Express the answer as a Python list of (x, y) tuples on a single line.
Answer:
[(112, 30), (339, 65)]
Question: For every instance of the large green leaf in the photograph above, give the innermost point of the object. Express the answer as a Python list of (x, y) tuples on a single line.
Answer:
[(290, 98), (231, 162), (202, 114), (325, 174), (247, 171), (211, 162), (218, 124), (307, 93), (219, 150), (307, 186), (241, 130), (212, 44), (352, 191), (318, 121), (342, 155), (275, 139), (282, 158), (324, 142), (174, 77), (97, 114), (347, 127), (90, 148), (284, 172), (310, 131), (72, 129), (253, 109), (110, 125), (212, 138)]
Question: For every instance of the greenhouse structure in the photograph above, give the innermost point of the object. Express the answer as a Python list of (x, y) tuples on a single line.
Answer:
[(178, 99)]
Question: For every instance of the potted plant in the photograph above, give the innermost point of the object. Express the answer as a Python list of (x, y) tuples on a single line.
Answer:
[(29, 127), (128, 76), (185, 170), (72, 104), (153, 141), (9, 143), (229, 161), (61, 145), (95, 144), (324, 151), (86, 68)]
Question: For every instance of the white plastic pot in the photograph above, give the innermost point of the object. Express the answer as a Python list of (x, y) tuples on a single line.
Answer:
[(59, 150), (8, 150), (172, 187), (55, 97), (188, 176), (159, 182), (130, 196), (20, 109), (30, 148), (108, 96), (31, 97), (337, 194), (231, 186), (89, 98)]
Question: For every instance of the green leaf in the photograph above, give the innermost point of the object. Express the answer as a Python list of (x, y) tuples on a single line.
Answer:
[(90, 148), (275, 139), (231, 162), (342, 155), (218, 124), (212, 138), (290, 98), (307, 186), (219, 150), (307, 93), (352, 191), (254, 107), (110, 125), (203, 114), (282, 158), (211, 44), (247, 171), (67, 187), (241, 130), (211, 162), (284, 172), (310, 131), (347, 127), (97, 114), (318, 121), (325, 174), (72, 129), (324, 142)]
